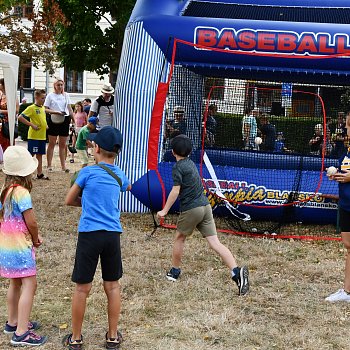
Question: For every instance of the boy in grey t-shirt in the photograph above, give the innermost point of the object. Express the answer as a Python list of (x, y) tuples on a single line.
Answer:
[(195, 212)]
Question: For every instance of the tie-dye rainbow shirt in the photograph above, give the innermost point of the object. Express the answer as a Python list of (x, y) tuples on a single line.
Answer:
[(17, 256)]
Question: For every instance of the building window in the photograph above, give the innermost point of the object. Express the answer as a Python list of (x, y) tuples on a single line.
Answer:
[(25, 11), (25, 76), (74, 81)]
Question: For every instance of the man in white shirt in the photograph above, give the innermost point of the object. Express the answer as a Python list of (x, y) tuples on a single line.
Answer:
[(103, 106)]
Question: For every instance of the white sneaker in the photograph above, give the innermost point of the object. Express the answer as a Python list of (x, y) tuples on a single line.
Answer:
[(340, 295)]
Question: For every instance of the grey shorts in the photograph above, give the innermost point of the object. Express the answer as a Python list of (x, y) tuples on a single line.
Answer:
[(200, 218)]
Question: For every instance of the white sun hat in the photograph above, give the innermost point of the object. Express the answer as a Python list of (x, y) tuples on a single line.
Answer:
[(18, 161), (107, 88)]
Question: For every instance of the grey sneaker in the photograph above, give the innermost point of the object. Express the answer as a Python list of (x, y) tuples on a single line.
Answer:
[(242, 280), (173, 274)]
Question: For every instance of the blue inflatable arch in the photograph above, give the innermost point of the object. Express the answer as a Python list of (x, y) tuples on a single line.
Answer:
[(307, 42)]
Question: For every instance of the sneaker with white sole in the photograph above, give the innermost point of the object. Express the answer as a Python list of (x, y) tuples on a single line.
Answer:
[(339, 295), (32, 326), (29, 338), (242, 280), (173, 274)]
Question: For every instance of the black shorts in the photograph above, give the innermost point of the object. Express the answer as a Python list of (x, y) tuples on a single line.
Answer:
[(91, 246), (61, 129), (344, 220)]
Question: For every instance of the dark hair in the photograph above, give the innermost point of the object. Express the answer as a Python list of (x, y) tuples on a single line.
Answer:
[(81, 106), (181, 145), (87, 100), (212, 107), (2, 82)]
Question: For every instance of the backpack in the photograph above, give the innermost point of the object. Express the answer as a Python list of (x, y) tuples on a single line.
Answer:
[(101, 102)]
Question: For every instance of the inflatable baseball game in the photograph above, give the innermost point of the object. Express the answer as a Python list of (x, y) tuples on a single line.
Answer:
[(249, 82)]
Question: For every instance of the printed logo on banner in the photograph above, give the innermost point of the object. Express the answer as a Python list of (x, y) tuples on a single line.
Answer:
[(270, 41)]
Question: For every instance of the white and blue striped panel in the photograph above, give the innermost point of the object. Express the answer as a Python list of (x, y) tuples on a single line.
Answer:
[(139, 72)]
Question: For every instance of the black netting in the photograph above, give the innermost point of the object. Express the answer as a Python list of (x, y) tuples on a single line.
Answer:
[(266, 175)]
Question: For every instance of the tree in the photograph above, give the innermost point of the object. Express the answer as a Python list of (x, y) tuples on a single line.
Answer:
[(81, 43), (67, 31), (29, 42)]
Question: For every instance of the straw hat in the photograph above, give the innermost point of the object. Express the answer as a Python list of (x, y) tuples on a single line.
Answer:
[(18, 161), (107, 88)]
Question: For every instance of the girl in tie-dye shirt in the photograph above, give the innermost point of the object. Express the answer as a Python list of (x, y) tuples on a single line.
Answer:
[(18, 239)]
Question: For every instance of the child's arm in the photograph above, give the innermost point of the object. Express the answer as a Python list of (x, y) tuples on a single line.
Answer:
[(174, 193), (73, 196), (32, 226), (27, 122)]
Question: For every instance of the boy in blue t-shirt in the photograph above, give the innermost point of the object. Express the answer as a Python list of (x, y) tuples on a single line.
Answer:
[(195, 212), (99, 234)]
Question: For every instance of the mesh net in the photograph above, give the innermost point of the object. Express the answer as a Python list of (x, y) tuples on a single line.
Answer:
[(261, 147)]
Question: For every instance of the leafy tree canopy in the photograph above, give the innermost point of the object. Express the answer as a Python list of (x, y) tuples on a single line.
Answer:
[(70, 29), (26, 39), (81, 43)]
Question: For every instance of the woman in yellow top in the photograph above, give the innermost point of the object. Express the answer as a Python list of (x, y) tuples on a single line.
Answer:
[(37, 129)]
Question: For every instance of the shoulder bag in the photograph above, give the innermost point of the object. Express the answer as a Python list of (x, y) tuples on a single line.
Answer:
[(59, 118)]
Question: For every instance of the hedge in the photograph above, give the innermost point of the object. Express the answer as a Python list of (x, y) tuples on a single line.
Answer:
[(229, 131)]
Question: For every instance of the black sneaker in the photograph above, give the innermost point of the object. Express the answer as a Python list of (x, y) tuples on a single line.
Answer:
[(242, 280), (29, 338), (32, 326), (173, 274)]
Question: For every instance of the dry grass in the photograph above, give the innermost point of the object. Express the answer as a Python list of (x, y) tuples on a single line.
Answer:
[(285, 309)]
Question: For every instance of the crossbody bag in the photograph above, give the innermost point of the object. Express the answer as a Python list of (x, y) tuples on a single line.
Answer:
[(110, 172)]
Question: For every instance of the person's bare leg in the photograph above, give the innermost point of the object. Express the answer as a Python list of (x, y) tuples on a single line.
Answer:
[(39, 157), (25, 303), (13, 294), (178, 249), (223, 251), (62, 150), (112, 290), (346, 241), (80, 295), (50, 149)]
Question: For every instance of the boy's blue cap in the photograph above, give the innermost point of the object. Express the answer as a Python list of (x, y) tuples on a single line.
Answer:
[(93, 120), (108, 138)]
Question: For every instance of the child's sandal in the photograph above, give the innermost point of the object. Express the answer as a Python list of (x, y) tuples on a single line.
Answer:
[(72, 344), (42, 177), (114, 343)]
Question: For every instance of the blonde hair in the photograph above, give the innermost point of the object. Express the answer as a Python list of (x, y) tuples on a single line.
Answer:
[(55, 83), (12, 180)]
